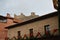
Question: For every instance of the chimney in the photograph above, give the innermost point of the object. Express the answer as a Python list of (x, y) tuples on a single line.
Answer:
[(32, 13), (22, 14), (15, 15), (8, 15)]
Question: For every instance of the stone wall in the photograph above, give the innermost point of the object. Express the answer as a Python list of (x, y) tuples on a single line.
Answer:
[(37, 26)]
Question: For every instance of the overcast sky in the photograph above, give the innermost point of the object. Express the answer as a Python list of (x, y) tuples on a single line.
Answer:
[(40, 7)]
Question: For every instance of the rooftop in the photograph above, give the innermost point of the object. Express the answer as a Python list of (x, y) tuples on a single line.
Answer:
[(2, 17), (33, 20)]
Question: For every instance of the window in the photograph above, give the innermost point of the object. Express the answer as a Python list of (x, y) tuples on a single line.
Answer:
[(3, 20), (31, 32), (47, 29), (18, 33)]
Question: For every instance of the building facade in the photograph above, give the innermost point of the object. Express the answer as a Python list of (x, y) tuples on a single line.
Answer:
[(6, 21), (2, 32), (44, 24)]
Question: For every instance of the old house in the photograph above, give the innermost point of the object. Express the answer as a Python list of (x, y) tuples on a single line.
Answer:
[(46, 24), (2, 31), (6, 21)]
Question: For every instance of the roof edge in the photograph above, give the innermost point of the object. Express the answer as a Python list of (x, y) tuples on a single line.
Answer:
[(33, 20)]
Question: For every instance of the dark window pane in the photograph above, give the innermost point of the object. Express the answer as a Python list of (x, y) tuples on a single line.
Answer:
[(47, 29), (18, 33)]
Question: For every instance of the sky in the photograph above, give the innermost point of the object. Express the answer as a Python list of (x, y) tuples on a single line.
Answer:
[(40, 7)]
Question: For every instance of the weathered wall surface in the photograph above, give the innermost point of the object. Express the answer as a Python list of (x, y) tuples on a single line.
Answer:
[(37, 26)]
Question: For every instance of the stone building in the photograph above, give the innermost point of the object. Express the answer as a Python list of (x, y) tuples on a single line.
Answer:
[(25, 18), (46, 24), (6, 21)]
